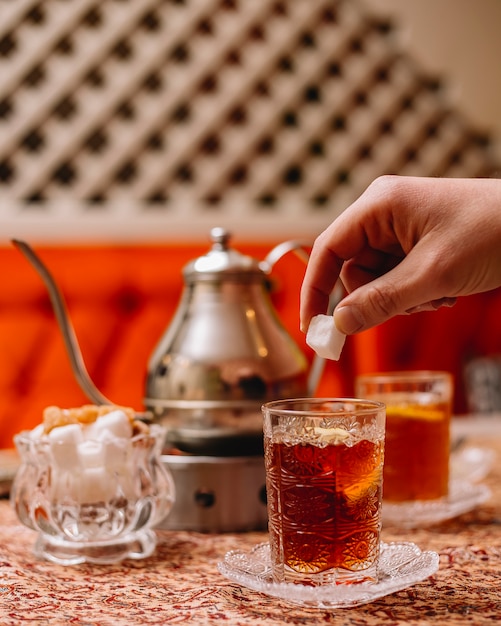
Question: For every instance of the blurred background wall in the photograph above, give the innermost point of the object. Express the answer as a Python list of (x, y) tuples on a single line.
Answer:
[(127, 120), (459, 40)]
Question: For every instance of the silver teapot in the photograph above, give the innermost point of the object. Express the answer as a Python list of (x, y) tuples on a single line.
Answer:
[(223, 355)]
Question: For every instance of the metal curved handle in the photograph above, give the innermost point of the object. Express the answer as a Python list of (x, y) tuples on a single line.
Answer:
[(299, 249), (73, 349)]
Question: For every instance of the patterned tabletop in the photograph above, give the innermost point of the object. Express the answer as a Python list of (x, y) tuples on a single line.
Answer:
[(181, 584)]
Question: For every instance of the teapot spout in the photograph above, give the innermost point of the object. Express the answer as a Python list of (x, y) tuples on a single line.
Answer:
[(70, 341)]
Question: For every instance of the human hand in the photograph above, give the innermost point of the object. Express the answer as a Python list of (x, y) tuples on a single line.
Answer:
[(406, 244)]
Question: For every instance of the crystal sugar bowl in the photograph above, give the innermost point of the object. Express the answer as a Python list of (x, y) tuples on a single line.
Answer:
[(92, 498)]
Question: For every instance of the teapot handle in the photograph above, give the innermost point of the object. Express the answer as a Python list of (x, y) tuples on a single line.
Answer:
[(299, 249)]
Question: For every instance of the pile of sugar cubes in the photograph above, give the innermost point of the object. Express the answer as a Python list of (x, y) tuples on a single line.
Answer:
[(87, 446)]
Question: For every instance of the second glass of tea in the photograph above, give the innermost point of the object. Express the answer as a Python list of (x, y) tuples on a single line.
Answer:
[(324, 466), (418, 412)]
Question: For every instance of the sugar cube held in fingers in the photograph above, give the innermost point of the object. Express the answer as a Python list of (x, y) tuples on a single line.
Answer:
[(324, 337)]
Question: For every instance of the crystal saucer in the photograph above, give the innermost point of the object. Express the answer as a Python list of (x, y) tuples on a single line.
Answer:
[(468, 466), (463, 497), (401, 565), (471, 463)]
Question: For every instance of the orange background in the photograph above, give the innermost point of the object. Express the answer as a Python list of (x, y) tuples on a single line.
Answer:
[(121, 299)]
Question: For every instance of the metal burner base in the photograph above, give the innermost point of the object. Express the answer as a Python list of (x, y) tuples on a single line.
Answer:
[(217, 494)]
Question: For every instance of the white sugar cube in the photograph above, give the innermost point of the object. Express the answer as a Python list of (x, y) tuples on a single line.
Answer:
[(69, 433), (92, 484), (118, 454), (91, 454), (95, 484), (324, 337), (37, 432), (64, 442), (112, 425), (65, 485)]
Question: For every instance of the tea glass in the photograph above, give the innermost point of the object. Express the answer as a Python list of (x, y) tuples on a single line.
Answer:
[(101, 512), (417, 449), (324, 465)]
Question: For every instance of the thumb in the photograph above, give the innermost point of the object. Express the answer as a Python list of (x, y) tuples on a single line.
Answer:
[(404, 289)]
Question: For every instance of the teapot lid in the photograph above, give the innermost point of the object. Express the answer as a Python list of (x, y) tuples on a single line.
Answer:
[(222, 262)]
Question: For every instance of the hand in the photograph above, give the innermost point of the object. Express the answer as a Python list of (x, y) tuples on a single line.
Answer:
[(407, 244)]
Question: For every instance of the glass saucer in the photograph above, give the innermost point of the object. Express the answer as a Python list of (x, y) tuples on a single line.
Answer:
[(401, 565), (471, 463), (467, 466), (463, 497)]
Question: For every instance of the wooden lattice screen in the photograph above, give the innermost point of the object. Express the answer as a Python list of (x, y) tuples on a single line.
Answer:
[(172, 114)]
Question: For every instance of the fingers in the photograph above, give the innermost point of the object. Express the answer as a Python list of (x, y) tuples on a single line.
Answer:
[(344, 239), (366, 267), (350, 319), (321, 275), (403, 246), (434, 305), (409, 287)]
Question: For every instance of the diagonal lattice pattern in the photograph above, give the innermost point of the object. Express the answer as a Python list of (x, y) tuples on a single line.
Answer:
[(226, 105)]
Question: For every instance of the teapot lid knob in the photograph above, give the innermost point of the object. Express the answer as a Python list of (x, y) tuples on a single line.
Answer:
[(220, 238), (222, 262)]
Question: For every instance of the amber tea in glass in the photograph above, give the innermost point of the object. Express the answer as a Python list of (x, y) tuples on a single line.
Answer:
[(418, 412), (324, 463)]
